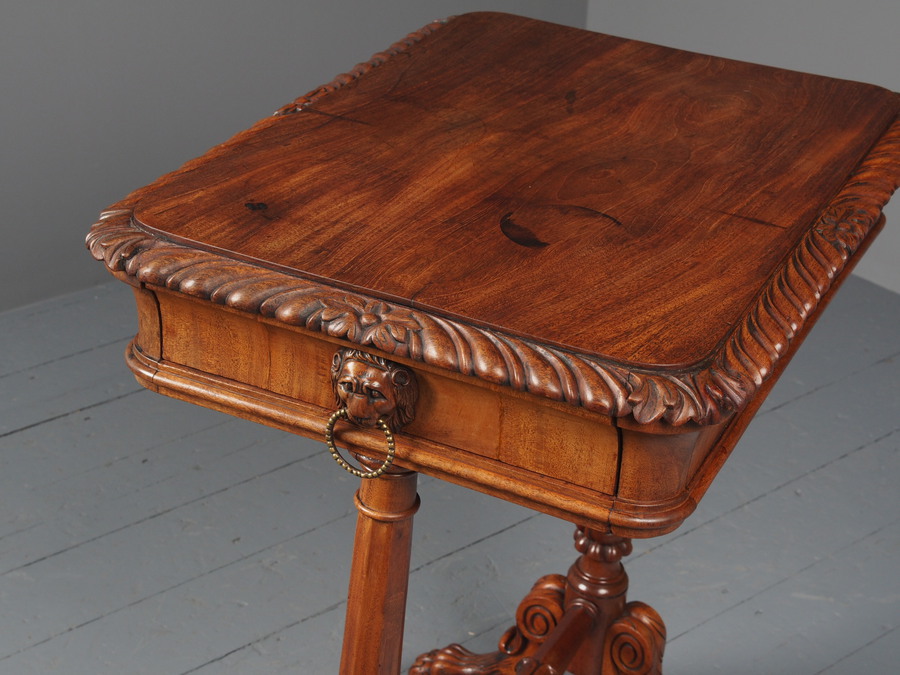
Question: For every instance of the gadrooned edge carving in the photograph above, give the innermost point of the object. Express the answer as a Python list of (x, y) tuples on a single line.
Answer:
[(704, 394), (298, 104)]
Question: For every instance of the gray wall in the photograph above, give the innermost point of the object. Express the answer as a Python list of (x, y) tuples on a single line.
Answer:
[(102, 96), (850, 39)]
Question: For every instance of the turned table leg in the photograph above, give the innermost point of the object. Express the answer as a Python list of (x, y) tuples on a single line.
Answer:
[(376, 604)]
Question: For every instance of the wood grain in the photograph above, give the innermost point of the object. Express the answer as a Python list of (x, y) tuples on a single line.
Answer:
[(376, 602), (601, 252), (549, 456), (397, 184), (794, 545), (629, 228)]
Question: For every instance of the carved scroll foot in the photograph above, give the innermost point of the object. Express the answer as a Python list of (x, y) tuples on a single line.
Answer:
[(536, 617), (635, 642), (579, 624)]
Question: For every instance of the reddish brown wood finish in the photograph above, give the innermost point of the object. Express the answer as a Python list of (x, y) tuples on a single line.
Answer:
[(401, 209), (646, 250), (376, 602), (595, 254), (579, 623), (535, 166), (485, 437)]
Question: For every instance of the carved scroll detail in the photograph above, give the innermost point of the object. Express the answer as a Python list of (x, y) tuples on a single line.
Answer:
[(585, 625), (537, 615), (635, 642), (703, 395)]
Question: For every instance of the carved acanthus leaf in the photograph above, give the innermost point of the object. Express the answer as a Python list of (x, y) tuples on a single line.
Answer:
[(703, 395)]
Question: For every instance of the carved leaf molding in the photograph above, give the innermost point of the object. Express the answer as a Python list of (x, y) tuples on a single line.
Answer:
[(704, 395), (298, 104)]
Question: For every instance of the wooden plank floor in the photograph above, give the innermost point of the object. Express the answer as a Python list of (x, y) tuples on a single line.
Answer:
[(144, 535)]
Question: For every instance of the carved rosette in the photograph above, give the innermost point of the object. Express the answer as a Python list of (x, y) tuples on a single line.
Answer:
[(704, 394)]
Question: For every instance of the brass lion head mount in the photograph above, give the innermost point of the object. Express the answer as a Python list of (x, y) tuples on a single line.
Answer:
[(372, 388)]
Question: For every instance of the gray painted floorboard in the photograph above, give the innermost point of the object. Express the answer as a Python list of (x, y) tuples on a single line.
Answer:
[(143, 535)]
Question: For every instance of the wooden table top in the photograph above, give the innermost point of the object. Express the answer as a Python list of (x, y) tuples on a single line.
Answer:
[(629, 228)]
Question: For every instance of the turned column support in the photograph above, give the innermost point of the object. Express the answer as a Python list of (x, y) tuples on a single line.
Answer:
[(597, 580), (376, 601), (579, 623)]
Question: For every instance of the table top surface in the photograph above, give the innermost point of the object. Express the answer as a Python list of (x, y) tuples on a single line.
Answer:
[(541, 199)]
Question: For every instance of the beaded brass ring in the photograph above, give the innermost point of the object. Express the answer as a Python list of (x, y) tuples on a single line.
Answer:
[(329, 441)]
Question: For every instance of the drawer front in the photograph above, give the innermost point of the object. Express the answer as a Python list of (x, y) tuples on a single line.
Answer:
[(545, 455)]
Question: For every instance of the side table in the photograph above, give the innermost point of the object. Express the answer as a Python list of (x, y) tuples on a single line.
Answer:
[(558, 267)]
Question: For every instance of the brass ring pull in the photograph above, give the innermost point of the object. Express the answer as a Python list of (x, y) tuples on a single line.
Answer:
[(329, 441)]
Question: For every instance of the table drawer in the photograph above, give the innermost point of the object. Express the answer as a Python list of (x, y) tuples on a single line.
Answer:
[(550, 456)]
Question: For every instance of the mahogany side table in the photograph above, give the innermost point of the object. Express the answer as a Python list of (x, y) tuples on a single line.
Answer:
[(555, 266)]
